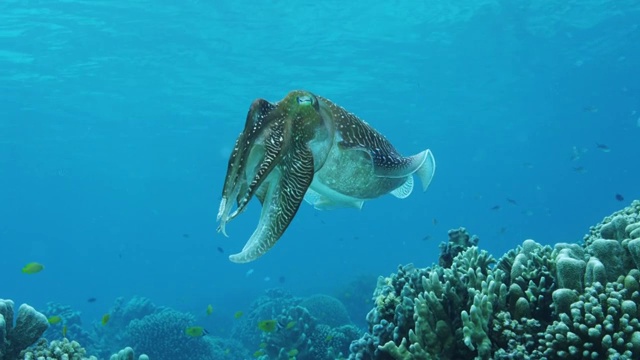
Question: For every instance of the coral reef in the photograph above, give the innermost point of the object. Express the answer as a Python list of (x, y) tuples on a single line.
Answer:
[(29, 326), (313, 328), (356, 297), (56, 350), (326, 310), (71, 319), (161, 336), (536, 302), (127, 354)]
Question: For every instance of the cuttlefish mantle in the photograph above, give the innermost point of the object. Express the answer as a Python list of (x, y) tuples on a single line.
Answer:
[(306, 147)]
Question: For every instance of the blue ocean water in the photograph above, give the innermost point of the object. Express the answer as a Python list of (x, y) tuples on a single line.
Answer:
[(117, 120)]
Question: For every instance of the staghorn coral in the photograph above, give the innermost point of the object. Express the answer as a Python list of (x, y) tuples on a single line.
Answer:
[(29, 326)]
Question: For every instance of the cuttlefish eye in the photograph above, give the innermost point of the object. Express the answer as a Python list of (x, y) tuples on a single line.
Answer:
[(305, 100)]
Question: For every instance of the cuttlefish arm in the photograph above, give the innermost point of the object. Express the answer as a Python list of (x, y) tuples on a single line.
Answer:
[(235, 184), (285, 190), (274, 160)]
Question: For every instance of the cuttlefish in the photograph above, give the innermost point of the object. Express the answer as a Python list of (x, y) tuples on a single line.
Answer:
[(307, 147)]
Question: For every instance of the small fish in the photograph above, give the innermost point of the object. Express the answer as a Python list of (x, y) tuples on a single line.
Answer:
[(64, 331), (503, 230), (579, 169), (55, 319), (292, 352), (590, 109), (186, 236), (434, 221), (281, 279), (290, 325), (209, 309), (268, 325), (249, 272), (220, 250), (495, 207), (619, 197), (32, 268), (262, 345), (426, 238), (511, 201), (196, 331), (238, 314), (527, 165), (267, 278), (92, 300), (328, 338), (105, 319), (603, 147), (258, 353)]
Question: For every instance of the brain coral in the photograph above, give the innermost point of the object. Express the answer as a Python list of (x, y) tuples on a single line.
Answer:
[(326, 310)]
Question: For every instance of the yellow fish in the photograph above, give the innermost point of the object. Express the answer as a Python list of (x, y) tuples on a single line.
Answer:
[(196, 331), (293, 352), (32, 268), (64, 331), (268, 325), (55, 319), (263, 345), (105, 319), (258, 353), (290, 325), (209, 309), (238, 314)]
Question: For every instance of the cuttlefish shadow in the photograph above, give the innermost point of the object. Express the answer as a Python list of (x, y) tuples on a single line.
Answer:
[(306, 147)]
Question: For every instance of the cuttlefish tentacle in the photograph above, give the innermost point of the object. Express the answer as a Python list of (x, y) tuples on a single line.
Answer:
[(281, 202), (235, 180), (274, 145)]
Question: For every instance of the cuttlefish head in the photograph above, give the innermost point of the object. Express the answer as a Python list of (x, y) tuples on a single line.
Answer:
[(273, 160)]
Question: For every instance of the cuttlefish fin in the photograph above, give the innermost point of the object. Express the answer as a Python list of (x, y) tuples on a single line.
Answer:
[(427, 169), (422, 164), (404, 190), (281, 200)]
